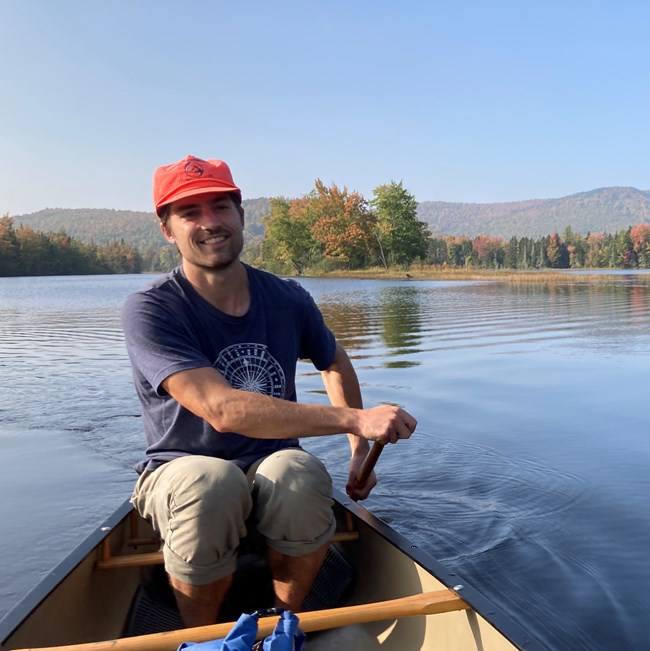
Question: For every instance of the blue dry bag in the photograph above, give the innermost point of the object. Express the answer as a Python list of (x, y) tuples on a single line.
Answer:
[(286, 636)]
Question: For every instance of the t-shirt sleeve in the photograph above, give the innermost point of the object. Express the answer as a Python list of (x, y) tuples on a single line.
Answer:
[(158, 340), (317, 342)]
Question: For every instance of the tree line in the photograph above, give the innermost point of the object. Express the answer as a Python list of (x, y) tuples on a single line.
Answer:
[(626, 249), (26, 252), (331, 228)]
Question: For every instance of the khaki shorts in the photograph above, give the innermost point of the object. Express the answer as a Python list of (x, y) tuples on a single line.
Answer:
[(200, 506)]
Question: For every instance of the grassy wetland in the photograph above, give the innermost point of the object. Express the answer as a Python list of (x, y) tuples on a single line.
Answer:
[(541, 276)]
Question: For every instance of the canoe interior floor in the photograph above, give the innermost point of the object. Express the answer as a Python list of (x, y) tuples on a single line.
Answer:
[(154, 608)]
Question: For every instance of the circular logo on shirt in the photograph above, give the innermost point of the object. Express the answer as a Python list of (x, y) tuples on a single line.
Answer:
[(252, 368)]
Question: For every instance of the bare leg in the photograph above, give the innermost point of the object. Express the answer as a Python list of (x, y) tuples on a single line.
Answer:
[(293, 576), (199, 605)]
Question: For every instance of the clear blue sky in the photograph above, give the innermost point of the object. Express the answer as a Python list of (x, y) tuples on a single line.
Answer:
[(468, 101)]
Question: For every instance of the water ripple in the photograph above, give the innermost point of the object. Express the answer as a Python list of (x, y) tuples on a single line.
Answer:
[(474, 499)]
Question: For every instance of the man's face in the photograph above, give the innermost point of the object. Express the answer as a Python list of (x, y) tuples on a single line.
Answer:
[(208, 230)]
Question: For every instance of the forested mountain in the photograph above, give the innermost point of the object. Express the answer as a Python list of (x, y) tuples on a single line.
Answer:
[(603, 210), (332, 229), (141, 229)]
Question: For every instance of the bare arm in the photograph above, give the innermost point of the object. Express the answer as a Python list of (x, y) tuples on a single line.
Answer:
[(206, 393), (342, 386), (343, 390)]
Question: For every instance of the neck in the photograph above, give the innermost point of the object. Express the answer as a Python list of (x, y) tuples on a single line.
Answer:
[(226, 289)]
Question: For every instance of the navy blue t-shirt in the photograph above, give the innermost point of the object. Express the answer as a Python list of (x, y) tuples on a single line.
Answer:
[(169, 328)]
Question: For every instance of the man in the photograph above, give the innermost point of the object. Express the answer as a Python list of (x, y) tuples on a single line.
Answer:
[(214, 347)]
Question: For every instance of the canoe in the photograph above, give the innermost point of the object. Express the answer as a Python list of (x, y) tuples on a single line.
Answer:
[(378, 591)]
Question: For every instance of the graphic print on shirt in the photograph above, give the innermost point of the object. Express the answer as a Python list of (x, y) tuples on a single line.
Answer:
[(252, 368)]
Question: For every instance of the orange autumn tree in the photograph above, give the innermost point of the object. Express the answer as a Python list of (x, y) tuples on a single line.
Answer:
[(640, 235), (488, 250), (342, 224)]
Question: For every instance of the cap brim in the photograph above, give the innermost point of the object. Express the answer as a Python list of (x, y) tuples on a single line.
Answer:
[(195, 192)]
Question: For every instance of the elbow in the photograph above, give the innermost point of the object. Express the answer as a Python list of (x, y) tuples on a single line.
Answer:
[(223, 419), (340, 362), (220, 413)]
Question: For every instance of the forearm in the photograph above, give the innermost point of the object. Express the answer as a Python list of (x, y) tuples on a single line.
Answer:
[(261, 416), (343, 390), (204, 392)]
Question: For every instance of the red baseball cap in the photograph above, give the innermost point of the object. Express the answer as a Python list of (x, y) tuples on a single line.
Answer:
[(191, 176)]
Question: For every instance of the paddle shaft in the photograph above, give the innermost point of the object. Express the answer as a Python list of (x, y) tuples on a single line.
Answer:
[(369, 463), (428, 603)]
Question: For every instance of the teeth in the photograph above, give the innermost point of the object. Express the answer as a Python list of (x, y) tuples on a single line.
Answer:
[(213, 240)]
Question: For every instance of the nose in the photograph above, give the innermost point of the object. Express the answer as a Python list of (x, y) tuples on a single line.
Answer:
[(209, 218)]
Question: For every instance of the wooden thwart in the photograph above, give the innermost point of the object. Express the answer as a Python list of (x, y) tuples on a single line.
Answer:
[(108, 562), (428, 603)]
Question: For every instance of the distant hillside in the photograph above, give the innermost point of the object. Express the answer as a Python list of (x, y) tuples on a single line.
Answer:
[(140, 228), (606, 209)]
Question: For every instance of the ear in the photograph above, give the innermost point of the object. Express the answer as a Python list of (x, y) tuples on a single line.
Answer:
[(167, 233), (241, 216)]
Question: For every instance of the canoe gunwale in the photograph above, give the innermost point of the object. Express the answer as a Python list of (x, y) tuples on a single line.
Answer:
[(504, 624), (40, 592)]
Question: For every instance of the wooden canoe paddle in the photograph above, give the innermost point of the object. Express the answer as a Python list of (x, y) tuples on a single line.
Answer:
[(369, 463), (428, 603)]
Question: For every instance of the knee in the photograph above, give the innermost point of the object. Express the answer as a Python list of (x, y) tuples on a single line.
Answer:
[(207, 484), (293, 479), (293, 502)]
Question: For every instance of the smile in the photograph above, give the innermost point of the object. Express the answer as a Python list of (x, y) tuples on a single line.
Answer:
[(215, 239)]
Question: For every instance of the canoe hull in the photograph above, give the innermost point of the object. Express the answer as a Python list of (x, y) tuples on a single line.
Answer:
[(78, 602)]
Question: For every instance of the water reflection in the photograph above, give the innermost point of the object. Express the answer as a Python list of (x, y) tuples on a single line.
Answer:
[(384, 325), (352, 321), (401, 327)]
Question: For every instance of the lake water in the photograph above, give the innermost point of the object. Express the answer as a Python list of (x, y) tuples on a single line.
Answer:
[(528, 475)]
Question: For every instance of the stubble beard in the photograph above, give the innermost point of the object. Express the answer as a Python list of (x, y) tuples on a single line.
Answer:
[(232, 258)]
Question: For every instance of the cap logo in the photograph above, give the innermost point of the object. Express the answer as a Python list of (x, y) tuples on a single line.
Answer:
[(193, 170)]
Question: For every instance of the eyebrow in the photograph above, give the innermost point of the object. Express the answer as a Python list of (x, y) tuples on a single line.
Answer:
[(192, 206)]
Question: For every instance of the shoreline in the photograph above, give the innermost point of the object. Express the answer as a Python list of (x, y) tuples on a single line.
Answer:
[(502, 275)]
